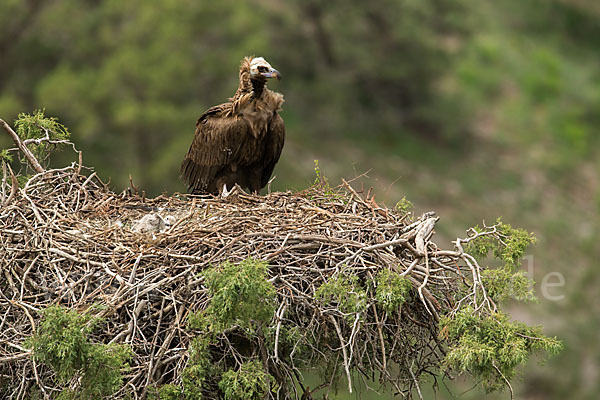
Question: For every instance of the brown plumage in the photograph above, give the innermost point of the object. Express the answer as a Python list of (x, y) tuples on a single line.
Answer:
[(239, 141)]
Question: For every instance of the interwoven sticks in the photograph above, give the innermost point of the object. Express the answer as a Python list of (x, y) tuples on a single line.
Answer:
[(65, 239)]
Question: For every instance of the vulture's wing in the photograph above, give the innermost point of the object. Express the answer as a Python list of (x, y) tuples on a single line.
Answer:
[(216, 143), (273, 147)]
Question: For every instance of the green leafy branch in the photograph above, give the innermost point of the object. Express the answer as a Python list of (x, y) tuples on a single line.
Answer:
[(250, 382), (481, 339), (345, 293), (491, 347), (392, 290), (241, 300), (36, 137), (240, 295), (504, 242), (62, 342)]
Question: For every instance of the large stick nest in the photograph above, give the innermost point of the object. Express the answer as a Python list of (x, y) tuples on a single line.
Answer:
[(66, 239)]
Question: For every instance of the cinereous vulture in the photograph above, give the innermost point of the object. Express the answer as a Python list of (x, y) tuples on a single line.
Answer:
[(238, 141)]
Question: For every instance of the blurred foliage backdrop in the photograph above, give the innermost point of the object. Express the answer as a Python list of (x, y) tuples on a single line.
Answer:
[(471, 108)]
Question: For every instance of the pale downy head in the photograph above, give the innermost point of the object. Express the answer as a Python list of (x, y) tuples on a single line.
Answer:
[(259, 67)]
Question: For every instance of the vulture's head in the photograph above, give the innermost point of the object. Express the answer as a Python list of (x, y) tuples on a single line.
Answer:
[(260, 69)]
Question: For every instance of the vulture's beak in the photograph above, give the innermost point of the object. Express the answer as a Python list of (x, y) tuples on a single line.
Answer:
[(273, 73)]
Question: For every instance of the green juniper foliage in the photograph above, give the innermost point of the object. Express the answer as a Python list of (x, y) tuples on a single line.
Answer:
[(5, 156), (509, 250), (5, 159), (240, 295), (345, 291), (193, 378), (491, 347), (199, 367), (38, 126), (167, 392), (322, 182), (250, 382), (404, 205), (503, 284), (320, 178), (486, 343), (62, 343), (392, 290)]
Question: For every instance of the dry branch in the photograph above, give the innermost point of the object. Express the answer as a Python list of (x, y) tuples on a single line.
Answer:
[(22, 147)]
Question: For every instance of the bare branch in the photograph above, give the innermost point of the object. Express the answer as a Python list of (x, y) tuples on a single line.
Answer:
[(23, 148)]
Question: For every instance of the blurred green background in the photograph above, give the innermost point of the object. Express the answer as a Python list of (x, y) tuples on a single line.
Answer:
[(474, 109)]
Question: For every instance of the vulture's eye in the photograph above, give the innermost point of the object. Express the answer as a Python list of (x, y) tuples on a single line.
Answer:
[(262, 69)]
